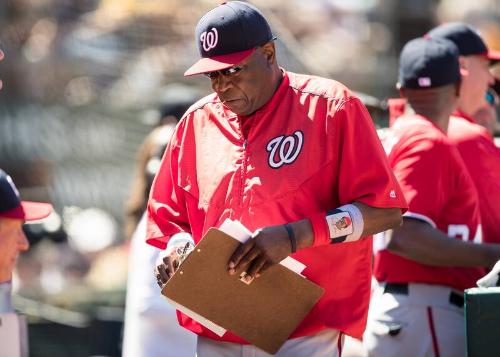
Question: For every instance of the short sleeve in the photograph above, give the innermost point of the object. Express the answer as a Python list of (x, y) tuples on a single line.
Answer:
[(364, 172), (424, 173), (166, 213)]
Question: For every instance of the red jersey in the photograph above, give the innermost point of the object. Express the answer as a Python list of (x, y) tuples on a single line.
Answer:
[(311, 148), (482, 159), (439, 191), (396, 107)]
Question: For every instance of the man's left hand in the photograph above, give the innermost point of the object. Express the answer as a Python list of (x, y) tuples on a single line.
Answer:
[(267, 247)]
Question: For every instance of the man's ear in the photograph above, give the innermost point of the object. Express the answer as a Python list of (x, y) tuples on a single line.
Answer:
[(269, 52), (464, 65)]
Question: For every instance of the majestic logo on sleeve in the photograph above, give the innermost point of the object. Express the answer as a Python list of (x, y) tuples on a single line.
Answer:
[(209, 39), (284, 149)]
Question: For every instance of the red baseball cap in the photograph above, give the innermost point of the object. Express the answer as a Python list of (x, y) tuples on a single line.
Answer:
[(227, 35), (11, 205)]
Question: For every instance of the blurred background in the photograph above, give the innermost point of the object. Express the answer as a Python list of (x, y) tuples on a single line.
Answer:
[(83, 81)]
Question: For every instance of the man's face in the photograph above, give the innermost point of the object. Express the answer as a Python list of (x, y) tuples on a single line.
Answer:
[(12, 242), (476, 78), (247, 90)]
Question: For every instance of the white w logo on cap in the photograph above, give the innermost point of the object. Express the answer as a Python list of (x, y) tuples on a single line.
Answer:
[(209, 39)]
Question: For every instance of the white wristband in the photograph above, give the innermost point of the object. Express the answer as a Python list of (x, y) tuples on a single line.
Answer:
[(345, 224), (178, 239)]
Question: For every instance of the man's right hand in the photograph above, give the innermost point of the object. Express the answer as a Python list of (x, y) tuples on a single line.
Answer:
[(169, 260)]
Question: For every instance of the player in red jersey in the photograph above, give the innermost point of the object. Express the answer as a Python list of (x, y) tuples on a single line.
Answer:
[(423, 266), (475, 142), (287, 155)]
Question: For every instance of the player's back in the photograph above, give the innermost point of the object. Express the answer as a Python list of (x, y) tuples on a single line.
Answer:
[(439, 191)]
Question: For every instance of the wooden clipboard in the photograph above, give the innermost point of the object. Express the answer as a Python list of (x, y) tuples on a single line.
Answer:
[(264, 313)]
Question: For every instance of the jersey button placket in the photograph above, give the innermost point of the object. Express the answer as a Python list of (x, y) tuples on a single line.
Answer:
[(244, 161)]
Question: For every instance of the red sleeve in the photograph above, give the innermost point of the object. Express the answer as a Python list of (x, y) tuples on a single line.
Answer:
[(166, 208), (364, 172), (364, 175), (423, 172)]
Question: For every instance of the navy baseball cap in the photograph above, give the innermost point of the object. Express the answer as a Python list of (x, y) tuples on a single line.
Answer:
[(466, 38), (428, 63), (11, 205), (228, 34)]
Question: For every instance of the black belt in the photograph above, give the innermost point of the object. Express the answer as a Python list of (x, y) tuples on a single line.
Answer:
[(402, 289)]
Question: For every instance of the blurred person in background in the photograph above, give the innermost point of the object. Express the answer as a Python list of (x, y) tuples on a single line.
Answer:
[(423, 266), (474, 141), (176, 98), (151, 327), (13, 213)]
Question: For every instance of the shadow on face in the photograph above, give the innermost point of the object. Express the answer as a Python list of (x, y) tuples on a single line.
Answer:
[(250, 88)]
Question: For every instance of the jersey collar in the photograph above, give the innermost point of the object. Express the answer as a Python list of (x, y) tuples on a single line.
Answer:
[(461, 114)]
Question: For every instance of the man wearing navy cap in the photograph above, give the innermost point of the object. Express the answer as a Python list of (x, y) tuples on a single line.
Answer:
[(423, 266), (475, 142), (287, 155), (13, 213)]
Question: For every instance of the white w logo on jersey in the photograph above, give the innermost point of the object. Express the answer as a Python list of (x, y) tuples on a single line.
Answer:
[(284, 150)]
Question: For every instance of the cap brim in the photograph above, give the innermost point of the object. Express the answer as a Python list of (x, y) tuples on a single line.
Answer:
[(29, 211), (493, 55), (216, 63)]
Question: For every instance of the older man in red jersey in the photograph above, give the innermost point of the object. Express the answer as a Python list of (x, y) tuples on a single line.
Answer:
[(287, 155)]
